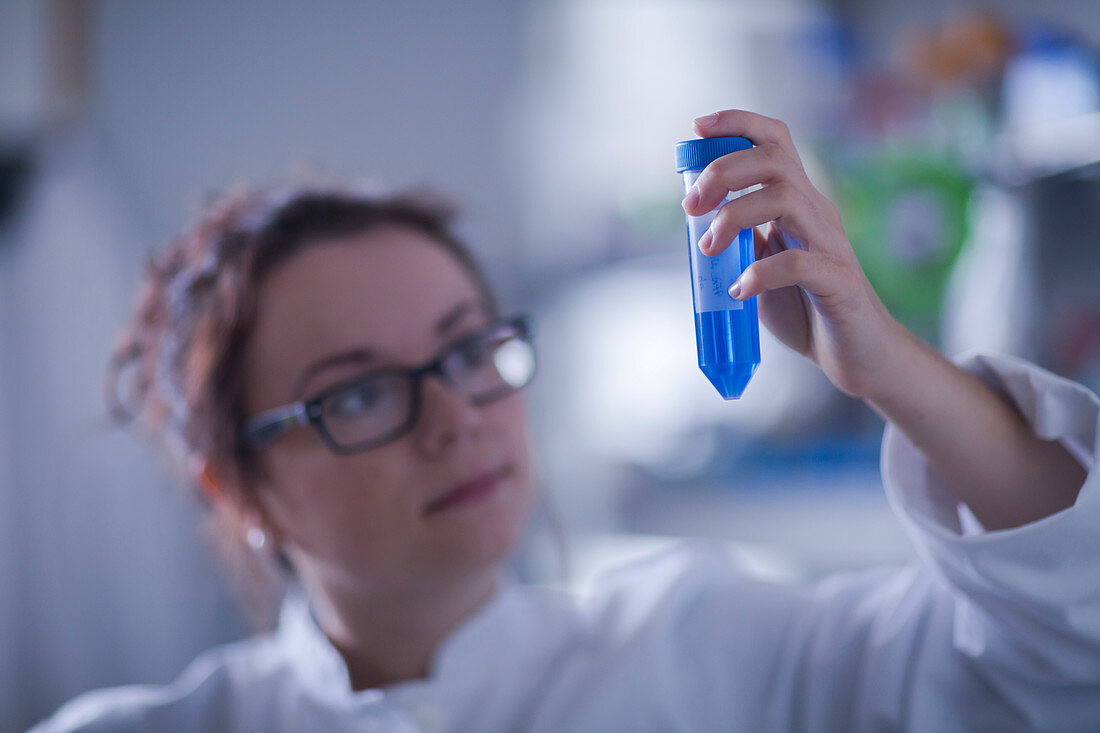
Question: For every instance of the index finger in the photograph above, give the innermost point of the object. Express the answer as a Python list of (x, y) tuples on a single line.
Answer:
[(741, 123)]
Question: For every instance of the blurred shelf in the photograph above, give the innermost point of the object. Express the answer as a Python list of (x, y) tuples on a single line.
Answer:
[(838, 522)]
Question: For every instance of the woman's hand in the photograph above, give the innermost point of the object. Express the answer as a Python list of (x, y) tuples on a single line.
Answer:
[(814, 299)]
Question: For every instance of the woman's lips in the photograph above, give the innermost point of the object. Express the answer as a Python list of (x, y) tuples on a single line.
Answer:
[(468, 493)]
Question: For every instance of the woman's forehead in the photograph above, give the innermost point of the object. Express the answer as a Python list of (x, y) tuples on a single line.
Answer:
[(386, 291), (389, 278)]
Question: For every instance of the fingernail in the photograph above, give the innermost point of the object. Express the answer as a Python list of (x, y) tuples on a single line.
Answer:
[(692, 199), (708, 120), (705, 240), (735, 289)]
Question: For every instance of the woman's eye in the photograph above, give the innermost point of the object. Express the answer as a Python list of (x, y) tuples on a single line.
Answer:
[(356, 400), (478, 351)]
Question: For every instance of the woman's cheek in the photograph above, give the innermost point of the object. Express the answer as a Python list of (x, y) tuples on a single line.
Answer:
[(326, 504)]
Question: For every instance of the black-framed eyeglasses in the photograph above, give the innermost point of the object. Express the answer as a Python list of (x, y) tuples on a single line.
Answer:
[(374, 408)]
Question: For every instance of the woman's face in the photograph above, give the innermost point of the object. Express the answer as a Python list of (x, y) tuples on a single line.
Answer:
[(376, 517)]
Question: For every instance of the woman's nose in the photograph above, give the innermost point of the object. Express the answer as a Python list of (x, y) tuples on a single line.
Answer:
[(446, 414)]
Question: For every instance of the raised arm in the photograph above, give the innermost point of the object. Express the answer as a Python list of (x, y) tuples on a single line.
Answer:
[(974, 440), (816, 299)]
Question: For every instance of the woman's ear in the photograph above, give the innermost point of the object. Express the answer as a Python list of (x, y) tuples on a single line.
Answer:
[(208, 480), (220, 484), (222, 487)]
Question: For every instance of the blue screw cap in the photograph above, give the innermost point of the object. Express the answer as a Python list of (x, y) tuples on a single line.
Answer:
[(695, 155)]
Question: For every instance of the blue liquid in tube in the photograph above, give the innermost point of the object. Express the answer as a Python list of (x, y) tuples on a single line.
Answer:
[(727, 331), (728, 341)]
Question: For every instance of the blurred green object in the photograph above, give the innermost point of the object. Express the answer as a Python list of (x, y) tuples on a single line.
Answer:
[(905, 214)]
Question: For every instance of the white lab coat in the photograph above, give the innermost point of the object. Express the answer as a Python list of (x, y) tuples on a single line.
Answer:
[(990, 631)]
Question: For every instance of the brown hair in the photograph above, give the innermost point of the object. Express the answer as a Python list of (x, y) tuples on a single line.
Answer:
[(177, 364)]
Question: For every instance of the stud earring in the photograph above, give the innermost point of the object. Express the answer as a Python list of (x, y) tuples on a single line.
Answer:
[(256, 538)]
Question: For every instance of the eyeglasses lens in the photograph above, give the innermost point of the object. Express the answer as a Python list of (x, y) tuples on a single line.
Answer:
[(484, 368)]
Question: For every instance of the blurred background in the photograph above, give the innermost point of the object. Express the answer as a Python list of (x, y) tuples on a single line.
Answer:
[(961, 142)]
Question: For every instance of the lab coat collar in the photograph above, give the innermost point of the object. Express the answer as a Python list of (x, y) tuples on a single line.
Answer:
[(470, 656)]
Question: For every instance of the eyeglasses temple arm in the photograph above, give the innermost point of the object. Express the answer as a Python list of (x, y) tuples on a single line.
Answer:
[(269, 425)]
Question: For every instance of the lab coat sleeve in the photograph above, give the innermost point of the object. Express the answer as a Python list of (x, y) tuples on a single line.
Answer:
[(991, 630), (1027, 598)]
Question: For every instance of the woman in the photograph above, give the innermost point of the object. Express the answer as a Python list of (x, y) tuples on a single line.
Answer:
[(336, 375)]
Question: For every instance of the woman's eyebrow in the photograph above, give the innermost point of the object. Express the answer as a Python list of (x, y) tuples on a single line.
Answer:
[(363, 356), (447, 322)]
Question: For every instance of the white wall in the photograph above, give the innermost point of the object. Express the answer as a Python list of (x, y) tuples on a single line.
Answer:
[(195, 95)]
